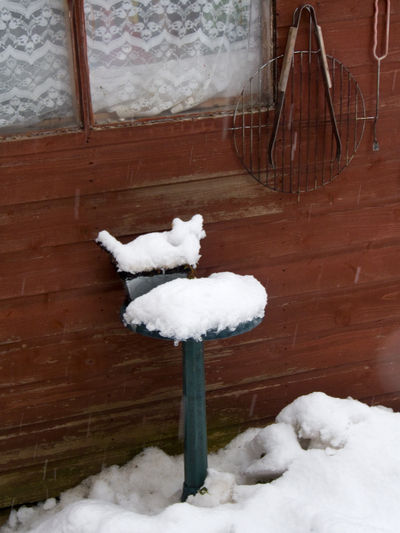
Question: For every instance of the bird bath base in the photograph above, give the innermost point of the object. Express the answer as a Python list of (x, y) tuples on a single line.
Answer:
[(194, 402)]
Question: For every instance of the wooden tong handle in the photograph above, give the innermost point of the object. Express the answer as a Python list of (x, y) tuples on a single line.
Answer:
[(323, 57), (287, 59)]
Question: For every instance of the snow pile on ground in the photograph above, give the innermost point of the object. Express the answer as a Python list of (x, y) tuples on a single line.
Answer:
[(188, 308), (158, 250), (326, 466)]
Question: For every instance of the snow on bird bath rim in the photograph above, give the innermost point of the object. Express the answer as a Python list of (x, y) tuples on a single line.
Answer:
[(158, 250)]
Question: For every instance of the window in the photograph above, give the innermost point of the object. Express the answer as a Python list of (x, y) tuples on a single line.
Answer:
[(36, 89), (95, 62)]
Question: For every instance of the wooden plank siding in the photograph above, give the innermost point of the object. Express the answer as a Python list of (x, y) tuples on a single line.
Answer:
[(79, 391)]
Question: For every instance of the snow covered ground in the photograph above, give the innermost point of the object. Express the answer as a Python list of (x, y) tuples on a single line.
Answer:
[(327, 465)]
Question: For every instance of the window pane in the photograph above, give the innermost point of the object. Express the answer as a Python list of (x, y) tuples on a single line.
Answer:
[(36, 89), (151, 57)]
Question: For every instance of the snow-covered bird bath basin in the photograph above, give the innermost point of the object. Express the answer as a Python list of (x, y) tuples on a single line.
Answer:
[(219, 306)]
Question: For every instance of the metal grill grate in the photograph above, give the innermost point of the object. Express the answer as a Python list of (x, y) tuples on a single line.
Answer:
[(311, 131)]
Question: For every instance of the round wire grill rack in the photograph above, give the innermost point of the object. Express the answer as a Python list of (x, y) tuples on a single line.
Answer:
[(300, 151)]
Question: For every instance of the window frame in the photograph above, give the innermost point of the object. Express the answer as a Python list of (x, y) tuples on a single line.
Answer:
[(86, 127)]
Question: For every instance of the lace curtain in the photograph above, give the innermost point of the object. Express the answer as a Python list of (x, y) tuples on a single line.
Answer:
[(35, 79), (148, 57)]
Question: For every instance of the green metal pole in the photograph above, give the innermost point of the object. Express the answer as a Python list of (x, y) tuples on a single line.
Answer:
[(194, 404)]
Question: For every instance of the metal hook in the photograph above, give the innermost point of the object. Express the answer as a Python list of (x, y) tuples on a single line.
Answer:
[(298, 12), (379, 58)]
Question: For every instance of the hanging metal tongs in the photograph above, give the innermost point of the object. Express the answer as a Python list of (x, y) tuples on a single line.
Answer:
[(286, 66)]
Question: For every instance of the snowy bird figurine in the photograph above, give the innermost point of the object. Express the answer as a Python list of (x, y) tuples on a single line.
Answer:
[(159, 250)]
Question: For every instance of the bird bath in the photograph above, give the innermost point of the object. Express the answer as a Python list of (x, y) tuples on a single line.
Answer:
[(161, 305), (194, 396)]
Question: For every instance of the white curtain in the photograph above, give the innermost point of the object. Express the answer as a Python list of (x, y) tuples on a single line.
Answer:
[(148, 57), (35, 79)]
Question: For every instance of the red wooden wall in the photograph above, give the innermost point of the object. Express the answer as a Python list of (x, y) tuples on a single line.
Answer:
[(79, 391)]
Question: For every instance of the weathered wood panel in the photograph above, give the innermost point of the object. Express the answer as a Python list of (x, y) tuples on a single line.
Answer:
[(78, 391), (257, 402), (42, 224), (288, 274), (117, 167)]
